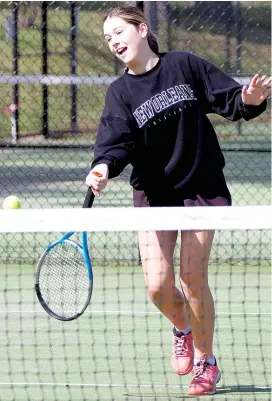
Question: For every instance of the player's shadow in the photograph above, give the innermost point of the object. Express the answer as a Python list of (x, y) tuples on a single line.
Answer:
[(223, 391), (243, 389)]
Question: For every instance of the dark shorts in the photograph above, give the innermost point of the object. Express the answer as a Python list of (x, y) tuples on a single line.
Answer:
[(140, 200)]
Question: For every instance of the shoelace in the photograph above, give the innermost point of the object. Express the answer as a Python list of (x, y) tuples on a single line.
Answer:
[(181, 347), (200, 371)]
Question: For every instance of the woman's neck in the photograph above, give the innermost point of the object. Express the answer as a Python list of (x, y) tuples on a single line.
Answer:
[(144, 65)]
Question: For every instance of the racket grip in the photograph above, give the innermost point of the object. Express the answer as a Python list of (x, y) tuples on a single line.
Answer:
[(89, 198)]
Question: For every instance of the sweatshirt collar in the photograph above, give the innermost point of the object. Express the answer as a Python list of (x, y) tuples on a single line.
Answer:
[(146, 73)]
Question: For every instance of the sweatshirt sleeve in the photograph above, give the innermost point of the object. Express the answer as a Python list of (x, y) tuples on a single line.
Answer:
[(223, 93), (115, 140), (225, 97)]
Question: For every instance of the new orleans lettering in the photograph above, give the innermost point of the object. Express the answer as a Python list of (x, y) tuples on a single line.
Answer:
[(162, 101)]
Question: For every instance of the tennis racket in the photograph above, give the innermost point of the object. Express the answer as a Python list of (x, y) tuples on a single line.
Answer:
[(64, 276)]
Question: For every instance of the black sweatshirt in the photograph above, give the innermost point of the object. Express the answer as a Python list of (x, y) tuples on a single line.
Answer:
[(157, 121)]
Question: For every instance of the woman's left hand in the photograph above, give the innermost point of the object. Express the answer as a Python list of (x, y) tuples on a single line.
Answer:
[(259, 89)]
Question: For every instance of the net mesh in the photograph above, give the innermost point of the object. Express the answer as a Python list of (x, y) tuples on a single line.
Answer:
[(120, 348)]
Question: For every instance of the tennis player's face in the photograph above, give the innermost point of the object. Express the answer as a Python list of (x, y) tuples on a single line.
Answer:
[(124, 39)]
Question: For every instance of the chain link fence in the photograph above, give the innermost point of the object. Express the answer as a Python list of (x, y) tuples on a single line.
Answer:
[(56, 67)]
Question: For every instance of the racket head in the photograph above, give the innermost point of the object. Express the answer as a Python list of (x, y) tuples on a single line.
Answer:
[(64, 279)]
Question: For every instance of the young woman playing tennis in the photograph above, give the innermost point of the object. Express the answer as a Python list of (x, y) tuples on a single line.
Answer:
[(155, 119)]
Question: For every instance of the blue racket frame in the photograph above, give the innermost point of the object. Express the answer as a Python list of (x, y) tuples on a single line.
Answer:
[(85, 254), (88, 202), (84, 249)]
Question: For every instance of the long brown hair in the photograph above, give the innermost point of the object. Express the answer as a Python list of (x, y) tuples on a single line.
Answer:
[(134, 16)]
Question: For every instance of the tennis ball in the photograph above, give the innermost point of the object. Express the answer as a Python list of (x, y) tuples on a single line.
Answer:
[(11, 202)]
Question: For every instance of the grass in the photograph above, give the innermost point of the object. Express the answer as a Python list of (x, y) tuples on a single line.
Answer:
[(205, 37), (89, 104)]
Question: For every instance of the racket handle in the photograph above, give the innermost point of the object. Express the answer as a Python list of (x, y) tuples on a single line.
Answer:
[(89, 198)]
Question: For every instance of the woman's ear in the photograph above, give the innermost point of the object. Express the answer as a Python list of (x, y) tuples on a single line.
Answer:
[(143, 30)]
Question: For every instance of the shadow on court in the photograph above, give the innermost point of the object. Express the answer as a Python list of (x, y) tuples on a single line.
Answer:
[(228, 392)]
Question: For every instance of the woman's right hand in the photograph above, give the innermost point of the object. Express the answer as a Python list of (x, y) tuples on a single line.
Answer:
[(97, 178)]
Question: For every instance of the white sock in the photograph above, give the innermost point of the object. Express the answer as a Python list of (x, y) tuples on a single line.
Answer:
[(185, 331), (210, 361)]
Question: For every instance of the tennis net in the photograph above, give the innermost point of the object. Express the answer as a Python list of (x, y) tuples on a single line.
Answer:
[(120, 348)]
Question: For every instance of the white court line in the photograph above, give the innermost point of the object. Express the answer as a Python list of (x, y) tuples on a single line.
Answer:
[(136, 313), (108, 385)]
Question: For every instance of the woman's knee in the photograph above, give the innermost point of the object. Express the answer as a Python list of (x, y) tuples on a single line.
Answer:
[(159, 292)]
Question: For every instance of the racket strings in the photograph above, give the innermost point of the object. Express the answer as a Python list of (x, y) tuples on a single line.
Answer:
[(64, 280)]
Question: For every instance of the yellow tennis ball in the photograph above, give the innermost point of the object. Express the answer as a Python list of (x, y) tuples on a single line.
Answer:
[(11, 202)]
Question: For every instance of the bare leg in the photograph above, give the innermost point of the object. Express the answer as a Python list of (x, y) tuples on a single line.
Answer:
[(156, 249), (194, 258)]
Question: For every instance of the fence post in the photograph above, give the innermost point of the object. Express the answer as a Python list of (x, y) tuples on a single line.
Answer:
[(228, 19), (15, 12), (140, 5), (168, 7), (44, 68), (153, 17), (239, 27), (73, 34)]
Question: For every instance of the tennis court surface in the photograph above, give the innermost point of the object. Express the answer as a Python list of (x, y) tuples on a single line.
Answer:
[(120, 348)]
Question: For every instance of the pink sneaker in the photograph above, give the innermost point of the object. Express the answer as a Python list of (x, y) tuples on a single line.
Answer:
[(205, 378), (182, 359)]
